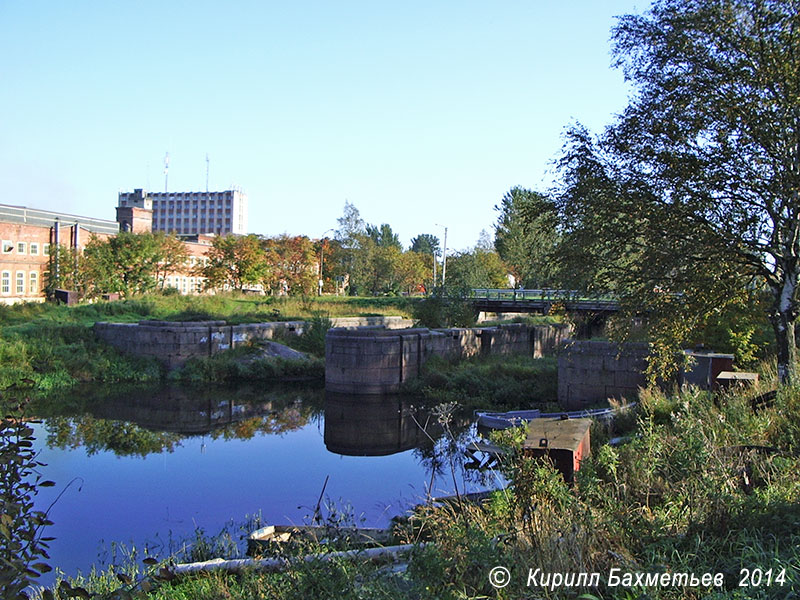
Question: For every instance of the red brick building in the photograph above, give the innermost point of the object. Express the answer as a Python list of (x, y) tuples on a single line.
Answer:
[(27, 235)]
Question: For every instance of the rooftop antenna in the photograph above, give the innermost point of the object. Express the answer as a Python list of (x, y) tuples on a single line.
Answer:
[(166, 171), (206, 172)]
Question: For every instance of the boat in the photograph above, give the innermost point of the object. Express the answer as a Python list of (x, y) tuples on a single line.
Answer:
[(489, 421)]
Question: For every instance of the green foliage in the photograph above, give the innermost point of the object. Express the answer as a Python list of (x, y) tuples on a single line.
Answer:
[(54, 347), (23, 547), (425, 243), (240, 364), (493, 381), (66, 270), (700, 488), (480, 267), (445, 307), (127, 263), (293, 265), (383, 236), (312, 339), (689, 200), (59, 355), (236, 262), (526, 235)]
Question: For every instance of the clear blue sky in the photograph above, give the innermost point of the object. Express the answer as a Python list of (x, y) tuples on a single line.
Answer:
[(418, 113)]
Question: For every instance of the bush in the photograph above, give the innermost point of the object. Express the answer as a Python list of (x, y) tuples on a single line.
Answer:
[(444, 309)]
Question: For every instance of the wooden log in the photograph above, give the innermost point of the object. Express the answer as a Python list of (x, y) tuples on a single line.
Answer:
[(277, 564)]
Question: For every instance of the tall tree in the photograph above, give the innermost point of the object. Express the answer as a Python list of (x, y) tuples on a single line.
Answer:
[(477, 268), (351, 225), (699, 179), (236, 261), (425, 243), (526, 236), (126, 263), (293, 262), (350, 232), (384, 237), (173, 256)]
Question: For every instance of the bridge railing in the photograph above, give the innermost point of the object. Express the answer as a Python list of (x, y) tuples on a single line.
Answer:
[(548, 295)]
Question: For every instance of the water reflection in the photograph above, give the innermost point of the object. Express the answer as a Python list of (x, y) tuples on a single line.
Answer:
[(156, 463), (391, 424), (142, 420), (376, 425)]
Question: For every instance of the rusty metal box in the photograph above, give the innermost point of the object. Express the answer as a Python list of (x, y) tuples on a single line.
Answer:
[(565, 441)]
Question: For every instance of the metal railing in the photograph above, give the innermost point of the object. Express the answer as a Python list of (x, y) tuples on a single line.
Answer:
[(542, 295)]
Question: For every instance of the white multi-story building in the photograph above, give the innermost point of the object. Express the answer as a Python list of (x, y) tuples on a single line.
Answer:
[(192, 213)]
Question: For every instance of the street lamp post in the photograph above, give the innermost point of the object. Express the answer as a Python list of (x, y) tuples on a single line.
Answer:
[(320, 283)]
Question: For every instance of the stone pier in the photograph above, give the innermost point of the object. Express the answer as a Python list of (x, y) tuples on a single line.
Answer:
[(378, 361)]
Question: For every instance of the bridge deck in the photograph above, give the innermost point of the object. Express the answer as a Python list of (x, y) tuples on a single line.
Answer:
[(511, 300)]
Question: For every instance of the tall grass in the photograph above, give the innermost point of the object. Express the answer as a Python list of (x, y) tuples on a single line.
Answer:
[(707, 485)]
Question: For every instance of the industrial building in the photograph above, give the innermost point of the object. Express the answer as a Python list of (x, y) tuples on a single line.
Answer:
[(191, 213), (26, 236)]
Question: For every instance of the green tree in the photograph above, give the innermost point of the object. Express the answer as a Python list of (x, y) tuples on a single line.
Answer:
[(526, 236), (332, 256), (351, 225), (236, 261), (126, 263), (425, 243), (383, 236), (477, 268), (698, 181), (294, 262), (350, 234), (413, 272), (174, 256), (66, 270)]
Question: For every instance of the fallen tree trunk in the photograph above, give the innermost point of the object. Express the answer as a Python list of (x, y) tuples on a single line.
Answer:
[(277, 564)]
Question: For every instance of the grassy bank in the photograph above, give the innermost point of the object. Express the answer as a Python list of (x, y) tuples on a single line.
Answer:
[(705, 486), (501, 382), (48, 347)]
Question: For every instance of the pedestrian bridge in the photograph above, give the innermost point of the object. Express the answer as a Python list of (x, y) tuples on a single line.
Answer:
[(541, 301)]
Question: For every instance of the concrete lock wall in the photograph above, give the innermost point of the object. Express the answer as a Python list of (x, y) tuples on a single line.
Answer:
[(173, 343), (591, 372), (378, 361)]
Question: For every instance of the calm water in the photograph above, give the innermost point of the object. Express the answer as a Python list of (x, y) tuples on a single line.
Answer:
[(147, 467)]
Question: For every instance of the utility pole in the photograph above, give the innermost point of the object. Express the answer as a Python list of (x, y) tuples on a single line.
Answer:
[(434, 267)]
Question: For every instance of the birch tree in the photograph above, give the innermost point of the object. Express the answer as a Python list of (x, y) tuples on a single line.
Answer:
[(694, 188)]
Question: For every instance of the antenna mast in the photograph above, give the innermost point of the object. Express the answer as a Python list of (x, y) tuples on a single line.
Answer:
[(206, 172), (166, 171)]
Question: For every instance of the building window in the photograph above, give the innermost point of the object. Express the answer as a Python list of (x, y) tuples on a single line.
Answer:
[(34, 248), (46, 249), (5, 283), (7, 246), (21, 247), (20, 282), (33, 282)]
